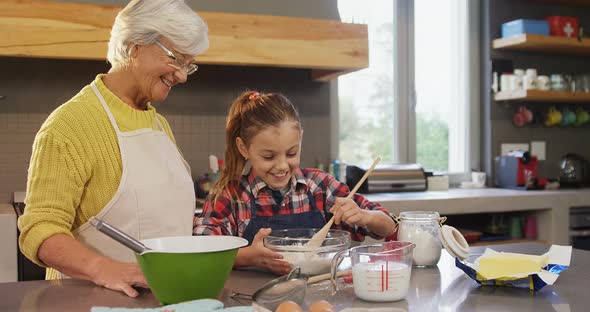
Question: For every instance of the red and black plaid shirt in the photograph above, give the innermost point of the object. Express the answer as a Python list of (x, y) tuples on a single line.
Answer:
[(230, 215)]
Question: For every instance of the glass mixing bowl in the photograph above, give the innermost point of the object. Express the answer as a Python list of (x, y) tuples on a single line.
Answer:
[(291, 243)]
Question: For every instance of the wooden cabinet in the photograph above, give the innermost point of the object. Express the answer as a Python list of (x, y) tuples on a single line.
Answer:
[(44, 29)]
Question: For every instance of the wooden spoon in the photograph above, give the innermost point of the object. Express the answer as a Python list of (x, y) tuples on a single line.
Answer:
[(318, 238)]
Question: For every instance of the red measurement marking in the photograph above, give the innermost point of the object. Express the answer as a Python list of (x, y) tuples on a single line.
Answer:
[(382, 279), (387, 275)]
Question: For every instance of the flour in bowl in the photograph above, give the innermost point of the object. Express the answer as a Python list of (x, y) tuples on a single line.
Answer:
[(310, 262)]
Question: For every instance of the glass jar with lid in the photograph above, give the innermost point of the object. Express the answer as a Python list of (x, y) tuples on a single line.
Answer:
[(421, 228)]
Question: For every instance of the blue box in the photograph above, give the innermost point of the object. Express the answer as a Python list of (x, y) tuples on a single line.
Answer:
[(525, 26)]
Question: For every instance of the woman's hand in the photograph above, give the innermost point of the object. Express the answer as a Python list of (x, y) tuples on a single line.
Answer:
[(346, 210), (119, 276), (69, 256), (262, 257)]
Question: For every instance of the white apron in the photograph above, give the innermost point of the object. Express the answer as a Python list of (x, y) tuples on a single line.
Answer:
[(155, 198)]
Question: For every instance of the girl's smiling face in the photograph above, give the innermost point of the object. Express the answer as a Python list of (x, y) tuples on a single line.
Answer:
[(274, 153)]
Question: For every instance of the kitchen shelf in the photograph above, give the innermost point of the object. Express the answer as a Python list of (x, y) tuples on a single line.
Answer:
[(541, 43), (561, 2), (45, 29), (543, 96)]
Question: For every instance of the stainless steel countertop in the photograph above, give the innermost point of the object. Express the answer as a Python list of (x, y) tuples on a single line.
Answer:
[(444, 288)]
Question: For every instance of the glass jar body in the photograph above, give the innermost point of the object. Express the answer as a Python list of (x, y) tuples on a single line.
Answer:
[(421, 228)]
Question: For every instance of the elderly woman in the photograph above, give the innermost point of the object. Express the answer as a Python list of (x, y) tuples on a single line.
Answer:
[(107, 153)]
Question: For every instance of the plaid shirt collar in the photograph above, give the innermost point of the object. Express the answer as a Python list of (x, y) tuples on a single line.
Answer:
[(257, 185)]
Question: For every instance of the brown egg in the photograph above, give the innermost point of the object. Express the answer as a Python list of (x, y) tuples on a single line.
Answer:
[(289, 306), (321, 306)]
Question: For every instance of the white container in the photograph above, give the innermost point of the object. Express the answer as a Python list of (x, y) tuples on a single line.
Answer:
[(421, 228), (543, 83), (516, 83), (529, 82), (438, 183), (531, 72), (478, 178), (505, 80)]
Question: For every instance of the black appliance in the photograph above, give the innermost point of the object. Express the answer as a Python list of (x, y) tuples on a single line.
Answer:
[(573, 171), (27, 270), (580, 227)]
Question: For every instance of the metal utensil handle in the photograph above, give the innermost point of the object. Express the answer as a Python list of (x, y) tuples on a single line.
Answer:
[(119, 236)]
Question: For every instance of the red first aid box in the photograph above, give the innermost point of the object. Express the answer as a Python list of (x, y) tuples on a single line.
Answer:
[(564, 26)]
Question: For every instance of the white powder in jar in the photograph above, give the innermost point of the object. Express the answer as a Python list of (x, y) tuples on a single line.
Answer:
[(428, 247)]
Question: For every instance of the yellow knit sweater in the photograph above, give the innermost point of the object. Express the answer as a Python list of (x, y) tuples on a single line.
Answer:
[(76, 165)]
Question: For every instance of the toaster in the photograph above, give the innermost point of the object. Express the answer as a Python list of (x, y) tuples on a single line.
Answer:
[(392, 178)]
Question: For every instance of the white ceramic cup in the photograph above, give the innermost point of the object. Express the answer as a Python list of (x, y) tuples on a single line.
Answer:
[(516, 83), (519, 72), (505, 82), (529, 82), (543, 83), (478, 178), (531, 72)]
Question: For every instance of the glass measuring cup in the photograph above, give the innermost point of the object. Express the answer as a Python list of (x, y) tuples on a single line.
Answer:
[(380, 272)]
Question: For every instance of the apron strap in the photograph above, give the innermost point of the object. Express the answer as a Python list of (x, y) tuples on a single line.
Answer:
[(106, 107)]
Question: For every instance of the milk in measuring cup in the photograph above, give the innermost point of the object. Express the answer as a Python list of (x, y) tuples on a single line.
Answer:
[(381, 281)]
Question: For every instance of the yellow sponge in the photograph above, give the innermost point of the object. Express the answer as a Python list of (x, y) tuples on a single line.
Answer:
[(501, 264)]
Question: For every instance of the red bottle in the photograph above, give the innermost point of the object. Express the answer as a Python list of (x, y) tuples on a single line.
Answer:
[(530, 227)]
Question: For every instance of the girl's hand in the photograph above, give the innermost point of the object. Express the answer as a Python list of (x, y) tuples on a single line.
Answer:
[(119, 276), (346, 210), (266, 258)]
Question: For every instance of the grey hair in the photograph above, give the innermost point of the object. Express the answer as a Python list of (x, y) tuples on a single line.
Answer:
[(142, 22)]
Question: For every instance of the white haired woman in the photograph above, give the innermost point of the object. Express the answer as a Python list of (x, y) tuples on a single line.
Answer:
[(107, 153)]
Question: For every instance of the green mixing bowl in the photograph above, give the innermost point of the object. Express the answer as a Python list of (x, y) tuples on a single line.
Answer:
[(184, 268)]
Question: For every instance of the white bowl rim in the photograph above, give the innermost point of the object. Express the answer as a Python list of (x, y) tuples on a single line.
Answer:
[(194, 244), (337, 232)]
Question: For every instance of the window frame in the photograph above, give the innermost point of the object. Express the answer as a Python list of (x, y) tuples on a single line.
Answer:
[(404, 118), (405, 89)]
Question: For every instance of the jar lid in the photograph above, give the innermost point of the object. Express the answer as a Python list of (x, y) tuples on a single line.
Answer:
[(419, 215), (454, 242)]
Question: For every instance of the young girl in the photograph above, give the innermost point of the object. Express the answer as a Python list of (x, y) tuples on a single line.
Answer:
[(263, 188)]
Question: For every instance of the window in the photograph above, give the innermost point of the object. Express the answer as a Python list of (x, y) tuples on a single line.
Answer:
[(366, 97), (418, 100)]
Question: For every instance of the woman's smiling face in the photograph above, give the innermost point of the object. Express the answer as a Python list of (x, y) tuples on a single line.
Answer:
[(274, 153), (157, 73)]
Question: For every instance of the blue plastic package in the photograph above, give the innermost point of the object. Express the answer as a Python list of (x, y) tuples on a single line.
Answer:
[(525, 26)]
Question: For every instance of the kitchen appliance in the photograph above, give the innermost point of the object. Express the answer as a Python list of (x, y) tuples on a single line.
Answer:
[(574, 170), (392, 178), (517, 170), (27, 270), (580, 228), (8, 262)]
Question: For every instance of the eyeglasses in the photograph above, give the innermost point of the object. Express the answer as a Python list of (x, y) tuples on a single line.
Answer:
[(190, 68)]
